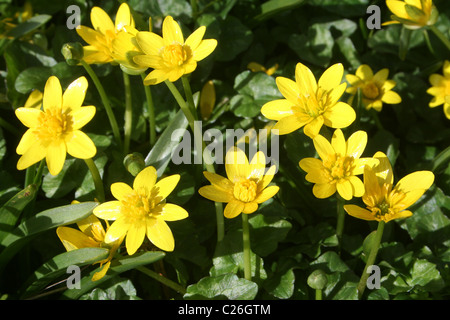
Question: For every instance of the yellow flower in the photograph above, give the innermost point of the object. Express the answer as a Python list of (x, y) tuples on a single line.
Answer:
[(256, 67), (413, 14), (441, 89), (34, 100), (309, 103), (142, 210), (338, 166), (170, 56), (100, 39), (246, 186), (55, 130), (207, 99), (383, 201), (92, 235), (376, 89)]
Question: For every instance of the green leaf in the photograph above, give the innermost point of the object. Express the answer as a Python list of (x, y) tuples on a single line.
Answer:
[(11, 210), (425, 274), (226, 286), (121, 289), (57, 266), (43, 221), (31, 24), (273, 7), (117, 267), (234, 38), (161, 153)]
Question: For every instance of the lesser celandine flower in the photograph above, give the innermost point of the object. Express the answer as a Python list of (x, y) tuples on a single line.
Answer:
[(375, 88), (92, 235), (310, 104), (55, 130), (142, 210), (383, 200), (413, 14), (100, 39), (170, 55), (440, 89), (339, 164), (246, 186), (256, 67)]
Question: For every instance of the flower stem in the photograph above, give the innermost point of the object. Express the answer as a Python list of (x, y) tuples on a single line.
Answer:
[(189, 96), (38, 177), (340, 220), (206, 157), (167, 282), (97, 179), (441, 36), (246, 247), (318, 294), (105, 101), (151, 112), (371, 258), (441, 159), (128, 113)]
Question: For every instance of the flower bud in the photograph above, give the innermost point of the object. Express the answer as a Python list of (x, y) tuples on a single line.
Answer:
[(317, 279), (73, 53), (207, 99), (134, 163)]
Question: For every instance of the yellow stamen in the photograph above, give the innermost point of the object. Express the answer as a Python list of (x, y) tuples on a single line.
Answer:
[(53, 125), (176, 54), (371, 91), (245, 190)]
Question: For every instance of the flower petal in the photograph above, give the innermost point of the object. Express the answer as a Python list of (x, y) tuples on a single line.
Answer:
[(204, 49), (29, 116), (82, 116), (101, 21), (171, 31), (323, 147), (172, 212), (233, 209), (338, 142), (73, 97), (277, 109), (218, 181), (359, 212), (236, 165), (415, 180), (267, 193), (332, 77), (52, 94), (357, 185), (149, 42), (27, 141), (123, 17), (56, 156), (155, 77), (165, 186), (145, 180), (195, 38), (214, 194), (312, 128), (345, 189), (289, 124), (120, 189), (33, 154), (108, 210), (135, 237), (305, 79), (323, 191), (383, 170), (250, 207), (340, 115), (356, 144), (73, 239), (391, 97), (159, 233), (288, 88), (79, 145)]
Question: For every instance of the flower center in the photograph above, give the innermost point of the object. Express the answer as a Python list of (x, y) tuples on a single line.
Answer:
[(53, 124), (386, 204), (245, 190), (175, 55), (338, 166), (371, 91), (138, 207)]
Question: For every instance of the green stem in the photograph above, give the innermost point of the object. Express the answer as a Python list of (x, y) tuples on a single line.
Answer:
[(151, 112), (405, 37), (97, 179), (167, 282), (189, 96), (206, 157), (377, 120), (371, 258), (440, 159), (441, 36), (340, 220), (246, 247), (7, 126), (38, 177), (30, 173), (128, 113), (318, 294), (105, 101)]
